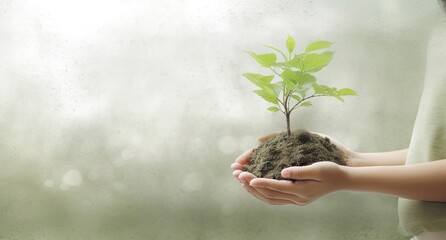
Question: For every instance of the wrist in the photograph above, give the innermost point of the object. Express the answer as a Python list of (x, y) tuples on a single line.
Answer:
[(354, 159), (345, 178)]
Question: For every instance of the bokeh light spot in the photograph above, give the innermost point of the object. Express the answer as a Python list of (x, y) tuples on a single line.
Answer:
[(72, 178)]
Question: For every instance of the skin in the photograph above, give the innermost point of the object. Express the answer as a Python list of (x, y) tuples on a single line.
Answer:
[(383, 173)]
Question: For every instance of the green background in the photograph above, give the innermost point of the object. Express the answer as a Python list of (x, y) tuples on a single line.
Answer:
[(119, 119)]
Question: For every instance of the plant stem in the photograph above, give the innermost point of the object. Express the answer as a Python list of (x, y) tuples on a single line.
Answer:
[(304, 99), (287, 115)]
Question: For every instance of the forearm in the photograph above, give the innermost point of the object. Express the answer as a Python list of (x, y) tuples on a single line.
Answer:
[(425, 181), (393, 158)]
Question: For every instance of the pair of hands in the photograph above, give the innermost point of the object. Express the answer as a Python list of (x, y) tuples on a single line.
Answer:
[(311, 182)]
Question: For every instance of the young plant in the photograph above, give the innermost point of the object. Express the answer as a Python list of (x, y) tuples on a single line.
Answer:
[(297, 84)]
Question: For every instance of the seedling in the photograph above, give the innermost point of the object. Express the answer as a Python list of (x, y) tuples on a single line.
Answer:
[(296, 84)]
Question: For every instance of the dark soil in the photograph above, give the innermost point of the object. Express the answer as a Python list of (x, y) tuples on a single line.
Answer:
[(300, 149)]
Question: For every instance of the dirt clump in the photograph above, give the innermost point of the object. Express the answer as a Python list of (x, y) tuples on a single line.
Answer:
[(302, 148)]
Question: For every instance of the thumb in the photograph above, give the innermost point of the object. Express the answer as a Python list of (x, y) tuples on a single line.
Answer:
[(302, 173)]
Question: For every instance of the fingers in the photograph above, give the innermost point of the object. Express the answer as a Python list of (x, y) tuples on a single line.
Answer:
[(244, 157), (275, 191), (273, 196), (265, 138), (236, 166), (298, 192), (261, 197), (246, 177), (236, 173), (302, 173), (275, 185)]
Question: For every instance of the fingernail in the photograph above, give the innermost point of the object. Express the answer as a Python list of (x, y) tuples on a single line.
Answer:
[(233, 165), (253, 183), (286, 173)]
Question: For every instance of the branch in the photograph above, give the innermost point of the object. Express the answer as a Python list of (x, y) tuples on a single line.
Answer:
[(282, 105), (304, 99), (272, 69), (283, 102)]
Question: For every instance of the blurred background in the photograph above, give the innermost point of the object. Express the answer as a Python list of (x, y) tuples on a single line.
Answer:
[(120, 119)]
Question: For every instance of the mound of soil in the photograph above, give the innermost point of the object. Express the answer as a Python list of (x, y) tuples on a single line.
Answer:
[(300, 149)]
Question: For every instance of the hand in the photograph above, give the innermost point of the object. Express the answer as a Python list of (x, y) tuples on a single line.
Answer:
[(243, 159), (351, 157), (311, 182), (245, 177)]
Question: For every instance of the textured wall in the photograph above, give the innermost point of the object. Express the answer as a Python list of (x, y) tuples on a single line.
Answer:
[(119, 119)]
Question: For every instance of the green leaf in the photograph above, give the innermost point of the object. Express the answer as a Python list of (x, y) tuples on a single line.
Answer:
[(325, 87), (277, 50), (277, 87), (290, 75), (267, 96), (296, 97), (315, 62), (273, 109), (290, 44), (329, 53), (290, 78), (266, 60), (306, 104), (297, 61), (317, 69), (261, 81), (317, 46), (253, 77), (345, 92), (266, 79), (329, 91), (339, 98), (306, 79), (318, 89), (302, 92), (332, 91), (282, 65), (289, 85), (264, 83)]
